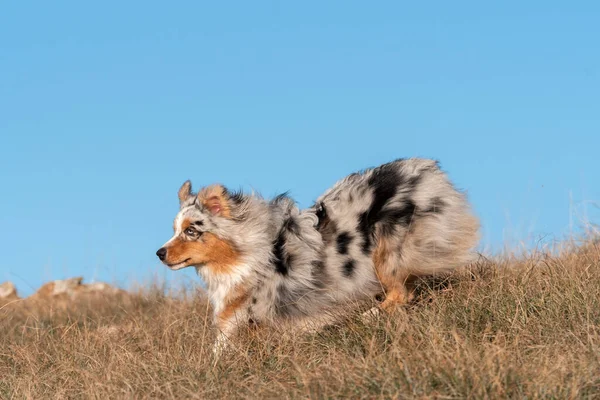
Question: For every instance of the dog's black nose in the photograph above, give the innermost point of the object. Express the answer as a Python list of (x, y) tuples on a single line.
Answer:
[(162, 253)]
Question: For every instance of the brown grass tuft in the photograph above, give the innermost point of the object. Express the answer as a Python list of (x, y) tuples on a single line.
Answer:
[(503, 328)]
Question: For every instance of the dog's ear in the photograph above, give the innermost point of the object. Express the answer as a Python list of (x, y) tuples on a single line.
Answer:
[(185, 191), (215, 199)]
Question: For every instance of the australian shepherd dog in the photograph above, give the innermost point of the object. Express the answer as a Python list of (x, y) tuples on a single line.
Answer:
[(267, 262)]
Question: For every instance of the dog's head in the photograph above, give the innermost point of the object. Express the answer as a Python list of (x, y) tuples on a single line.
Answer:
[(201, 228)]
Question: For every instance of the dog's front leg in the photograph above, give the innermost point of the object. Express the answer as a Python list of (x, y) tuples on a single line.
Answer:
[(227, 329), (221, 344)]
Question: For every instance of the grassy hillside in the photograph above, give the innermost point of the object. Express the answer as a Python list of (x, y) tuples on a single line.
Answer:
[(511, 327)]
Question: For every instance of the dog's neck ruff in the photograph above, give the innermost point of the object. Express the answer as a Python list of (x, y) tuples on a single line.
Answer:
[(220, 285)]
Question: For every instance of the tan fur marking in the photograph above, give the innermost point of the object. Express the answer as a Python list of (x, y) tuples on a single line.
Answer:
[(219, 255), (380, 256), (184, 225), (233, 303), (396, 289), (397, 295), (214, 196), (222, 254)]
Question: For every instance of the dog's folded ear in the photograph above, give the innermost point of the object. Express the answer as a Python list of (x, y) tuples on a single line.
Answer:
[(215, 199), (185, 191)]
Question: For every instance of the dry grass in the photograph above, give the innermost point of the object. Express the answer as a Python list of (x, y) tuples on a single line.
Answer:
[(510, 328)]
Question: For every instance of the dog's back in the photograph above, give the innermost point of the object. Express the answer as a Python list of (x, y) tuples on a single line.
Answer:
[(400, 220)]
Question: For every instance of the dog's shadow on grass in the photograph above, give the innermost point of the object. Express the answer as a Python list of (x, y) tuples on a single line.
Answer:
[(426, 289)]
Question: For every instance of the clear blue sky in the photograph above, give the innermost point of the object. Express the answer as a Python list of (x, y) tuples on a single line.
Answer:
[(106, 108)]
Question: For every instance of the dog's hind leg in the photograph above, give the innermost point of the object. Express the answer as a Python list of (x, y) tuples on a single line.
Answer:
[(399, 294), (394, 278)]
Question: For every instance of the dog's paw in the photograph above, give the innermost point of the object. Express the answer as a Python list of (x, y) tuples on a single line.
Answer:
[(370, 315), (220, 346)]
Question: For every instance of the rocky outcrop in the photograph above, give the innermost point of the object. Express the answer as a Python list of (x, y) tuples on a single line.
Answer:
[(74, 287), (8, 293), (64, 294)]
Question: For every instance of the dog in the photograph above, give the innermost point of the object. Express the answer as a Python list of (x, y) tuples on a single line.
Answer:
[(267, 262)]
